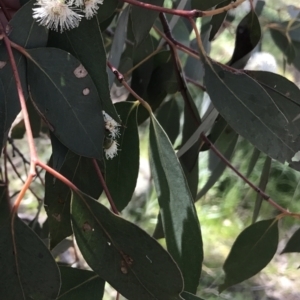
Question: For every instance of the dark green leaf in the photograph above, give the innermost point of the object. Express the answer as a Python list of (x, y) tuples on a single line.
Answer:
[(4, 203), (26, 32), (251, 252), (226, 145), (264, 178), (81, 172), (168, 116), (86, 44), (80, 284), (284, 44), (143, 19), (254, 158), (217, 20), (293, 244), (67, 99), (179, 218), (285, 94), (122, 171), (249, 110), (106, 10), (22, 255), (123, 254), (294, 30), (248, 34), (59, 152), (117, 46), (189, 296)]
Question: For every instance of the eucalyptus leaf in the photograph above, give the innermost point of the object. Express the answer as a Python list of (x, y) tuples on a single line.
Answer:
[(293, 244), (123, 254), (179, 218), (251, 252), (22, 255), (67, 99)]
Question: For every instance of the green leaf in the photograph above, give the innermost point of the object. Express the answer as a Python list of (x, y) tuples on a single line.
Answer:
[(264, 178), (4, 203), (248, 34), (285, 94), (189, 296), (168, 116), (22, 255), (251, 252), (117, 46), (294, 30), (58, 196), (293, 244), (179, 218), (80, 284), (226, 145), (86, 44), (143, 19), (254, 158), (217, 20), (67, 99), (106, 10), (249, 110), (122, 171), (26, 32), (123, 254)]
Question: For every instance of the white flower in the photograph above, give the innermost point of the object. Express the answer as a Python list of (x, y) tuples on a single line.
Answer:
[(56, 13), (111, 125), (112, 150), (91, 7)]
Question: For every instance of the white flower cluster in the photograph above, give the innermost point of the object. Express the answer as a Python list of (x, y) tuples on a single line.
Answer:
[(111, 145), (64, 14)]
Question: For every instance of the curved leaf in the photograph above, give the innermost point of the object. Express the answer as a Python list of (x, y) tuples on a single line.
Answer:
[(67, 100), (249, 110), (22, 255), (122, 171), (58, 196), (189, 296), (293, 244), (86, 44), (26, 32), (179, 218), (123, 254), (204, 4), (251, 252), (80, 284), (143, 19)]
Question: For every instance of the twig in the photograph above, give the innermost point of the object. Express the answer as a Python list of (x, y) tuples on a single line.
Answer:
[(106, 190), (178, 69), (246, 180), (195, 13), (196, 83)]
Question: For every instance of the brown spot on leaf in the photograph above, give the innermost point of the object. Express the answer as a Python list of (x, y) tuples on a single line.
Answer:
[(80, 71), (87, 227), (57, 217)]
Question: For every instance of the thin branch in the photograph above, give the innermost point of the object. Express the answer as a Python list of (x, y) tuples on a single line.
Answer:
[(265, 196), (195, 13), (196, 83), (178, 68), (106, 190)]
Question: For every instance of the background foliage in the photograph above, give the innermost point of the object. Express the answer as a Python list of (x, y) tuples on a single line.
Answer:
[(193, 90)]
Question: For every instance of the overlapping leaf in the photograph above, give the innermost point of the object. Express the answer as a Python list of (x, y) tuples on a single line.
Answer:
[(251, 252), (293, 244), (80, 284), (86, 44), (67, 100), (81, 172), (22, 255), (143, 19), (122, 171), (179, 218), (204, 4), (26, 32), (123, 254), (250, 110)]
